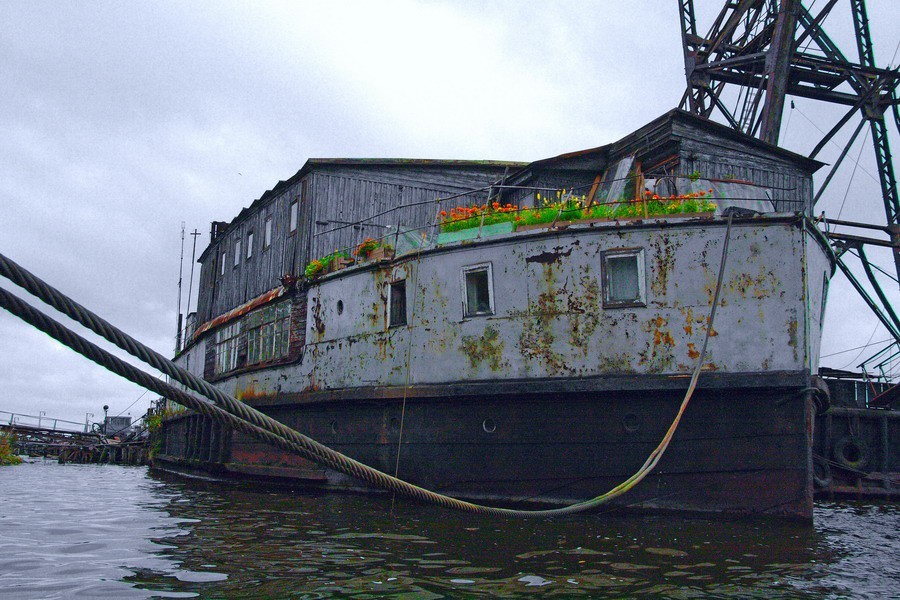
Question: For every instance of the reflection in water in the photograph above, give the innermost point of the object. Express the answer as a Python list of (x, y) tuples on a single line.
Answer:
[(119, 532)]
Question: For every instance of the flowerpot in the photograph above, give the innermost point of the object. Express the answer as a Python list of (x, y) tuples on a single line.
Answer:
[(380, 253), (339, 263)]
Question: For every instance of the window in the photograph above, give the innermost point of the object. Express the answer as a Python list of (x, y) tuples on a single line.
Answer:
[(267, 233), (268, 332), (227, 347), (397, 304), (293, 216), (222, 263), (249, 245), (237, 252), (623, 278), (478, 297)]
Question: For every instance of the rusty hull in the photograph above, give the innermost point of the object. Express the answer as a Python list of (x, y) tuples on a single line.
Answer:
[(554, 398)]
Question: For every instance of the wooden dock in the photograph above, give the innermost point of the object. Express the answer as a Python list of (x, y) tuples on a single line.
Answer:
[(75, 446)]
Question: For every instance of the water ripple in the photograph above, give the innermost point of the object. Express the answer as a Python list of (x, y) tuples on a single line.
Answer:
[(101, 531)]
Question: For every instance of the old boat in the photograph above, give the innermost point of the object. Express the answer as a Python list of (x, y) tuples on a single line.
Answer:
[(535, 363)]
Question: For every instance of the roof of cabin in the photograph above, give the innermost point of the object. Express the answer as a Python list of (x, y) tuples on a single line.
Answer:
[(588, 159), (594, 158)]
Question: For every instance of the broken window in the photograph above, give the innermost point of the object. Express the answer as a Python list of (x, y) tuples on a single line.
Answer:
[(615, 182), (397, 304), (249, 245), (293, 216), (268, 332), (477, 291), (227, 347), (267, 233), (623, 278)]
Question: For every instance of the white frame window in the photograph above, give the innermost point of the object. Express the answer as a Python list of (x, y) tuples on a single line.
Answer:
[(222, 259), (237, 252), (624, 278), (293, 216), (470, 277), (249, 244), (267, 233)]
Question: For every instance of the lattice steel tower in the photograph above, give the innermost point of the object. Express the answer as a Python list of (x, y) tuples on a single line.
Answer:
[(768, 49)]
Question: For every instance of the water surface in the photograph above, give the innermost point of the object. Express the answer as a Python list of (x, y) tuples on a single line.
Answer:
[(105, 531)]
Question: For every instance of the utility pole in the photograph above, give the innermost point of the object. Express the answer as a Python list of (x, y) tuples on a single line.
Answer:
[(194, 233), (180, 271)]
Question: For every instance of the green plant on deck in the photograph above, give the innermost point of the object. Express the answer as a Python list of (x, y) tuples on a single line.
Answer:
[(695, 175), (567, 207), (318, 266), (571, 208), (6, 454), (370, 245), (467, 217)]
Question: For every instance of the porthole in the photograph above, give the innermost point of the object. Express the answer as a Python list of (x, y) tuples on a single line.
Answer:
[(489, 426), (340, 307), (631, 423), (334, 427)]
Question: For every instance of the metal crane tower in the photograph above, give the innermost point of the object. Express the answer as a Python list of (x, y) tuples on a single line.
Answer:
[(765, 50)]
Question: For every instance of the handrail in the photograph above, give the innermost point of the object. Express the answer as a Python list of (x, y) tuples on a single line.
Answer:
[(39, 418)]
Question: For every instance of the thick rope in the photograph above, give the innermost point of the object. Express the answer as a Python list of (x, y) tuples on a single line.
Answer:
[(252, 422)]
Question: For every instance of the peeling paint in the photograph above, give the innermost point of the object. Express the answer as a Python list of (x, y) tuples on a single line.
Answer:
[(792, 336), (548, 257), (658, 356), (663, 258), (318, 322), (486, 348), (549, 319), (615, 364)]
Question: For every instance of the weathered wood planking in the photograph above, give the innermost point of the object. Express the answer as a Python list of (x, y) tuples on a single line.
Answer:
[(330, 195)]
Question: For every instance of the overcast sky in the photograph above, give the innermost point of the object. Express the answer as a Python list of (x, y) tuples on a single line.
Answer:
[(122, 120)]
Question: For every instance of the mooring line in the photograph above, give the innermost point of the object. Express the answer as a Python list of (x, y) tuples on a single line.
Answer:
[(251, 421)]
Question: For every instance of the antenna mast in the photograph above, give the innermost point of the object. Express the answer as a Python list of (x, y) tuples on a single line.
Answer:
[(180, 270), (194, 233)]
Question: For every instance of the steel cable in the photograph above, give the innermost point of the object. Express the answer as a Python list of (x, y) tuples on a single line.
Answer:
[(252, 422)]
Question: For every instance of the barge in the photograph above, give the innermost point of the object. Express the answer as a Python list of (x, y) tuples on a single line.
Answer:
[(427, 318)]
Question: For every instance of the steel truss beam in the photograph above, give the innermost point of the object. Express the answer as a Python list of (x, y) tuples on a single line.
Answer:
[(771, 48)]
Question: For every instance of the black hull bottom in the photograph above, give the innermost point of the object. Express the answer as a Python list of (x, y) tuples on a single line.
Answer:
[(737, 450)]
